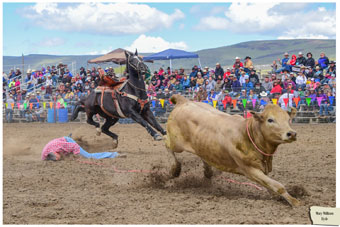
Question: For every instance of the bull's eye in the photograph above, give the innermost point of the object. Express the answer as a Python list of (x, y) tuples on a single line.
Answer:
[(270, 120)]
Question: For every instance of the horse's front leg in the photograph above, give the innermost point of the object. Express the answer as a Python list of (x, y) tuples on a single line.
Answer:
[(150, 118), (105, 129), (139, 119)]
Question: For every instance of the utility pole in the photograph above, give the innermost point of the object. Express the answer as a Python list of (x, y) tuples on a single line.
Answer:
[(23, 68)]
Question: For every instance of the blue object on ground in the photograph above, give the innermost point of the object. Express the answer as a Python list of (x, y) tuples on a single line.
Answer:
[(93, 155)]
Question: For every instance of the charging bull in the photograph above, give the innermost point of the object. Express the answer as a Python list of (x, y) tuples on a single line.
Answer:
[(230, 143)]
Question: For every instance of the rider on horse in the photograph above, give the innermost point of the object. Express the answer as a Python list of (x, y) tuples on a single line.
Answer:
[(107, 79)]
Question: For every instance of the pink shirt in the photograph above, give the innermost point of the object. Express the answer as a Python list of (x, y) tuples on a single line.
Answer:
[(60, 145)]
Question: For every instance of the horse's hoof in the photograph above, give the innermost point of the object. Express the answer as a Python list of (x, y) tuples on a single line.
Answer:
[(99, 132), (114, 144), (157, 137)]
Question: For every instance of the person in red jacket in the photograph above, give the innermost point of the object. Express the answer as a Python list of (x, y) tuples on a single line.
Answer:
[(276, 88)]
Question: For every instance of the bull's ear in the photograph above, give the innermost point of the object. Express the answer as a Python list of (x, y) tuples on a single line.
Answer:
[(257, 116), (292, 112)]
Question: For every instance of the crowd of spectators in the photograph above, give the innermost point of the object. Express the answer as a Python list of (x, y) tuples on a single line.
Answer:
[(289, 78)]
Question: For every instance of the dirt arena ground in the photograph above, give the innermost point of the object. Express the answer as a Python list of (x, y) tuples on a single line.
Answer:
[(71, 192)]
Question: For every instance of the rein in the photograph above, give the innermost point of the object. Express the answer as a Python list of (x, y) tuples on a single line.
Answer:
[(259, 150), (136, 87)]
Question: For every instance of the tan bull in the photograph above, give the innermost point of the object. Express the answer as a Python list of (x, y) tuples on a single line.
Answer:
[(230, 143)]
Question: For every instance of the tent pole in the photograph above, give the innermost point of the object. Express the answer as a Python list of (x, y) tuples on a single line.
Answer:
[(170, 66), (199, 62)]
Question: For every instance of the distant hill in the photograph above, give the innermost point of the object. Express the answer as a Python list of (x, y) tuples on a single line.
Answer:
[(261, 52)]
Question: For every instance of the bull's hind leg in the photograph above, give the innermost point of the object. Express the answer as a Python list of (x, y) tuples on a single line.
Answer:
[(208, 172), (105, 129), (176, 166)]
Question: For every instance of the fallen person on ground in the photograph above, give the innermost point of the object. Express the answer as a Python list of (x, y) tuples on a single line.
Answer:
[(56, 149)]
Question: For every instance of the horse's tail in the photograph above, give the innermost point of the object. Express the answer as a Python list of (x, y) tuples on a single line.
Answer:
[(178, 99), (79, 107)]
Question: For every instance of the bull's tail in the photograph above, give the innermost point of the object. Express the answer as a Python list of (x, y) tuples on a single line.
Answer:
[(178, 99), (79, 107)]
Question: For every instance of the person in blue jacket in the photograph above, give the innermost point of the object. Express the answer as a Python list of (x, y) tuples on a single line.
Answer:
[(284, 63), (323, 61)]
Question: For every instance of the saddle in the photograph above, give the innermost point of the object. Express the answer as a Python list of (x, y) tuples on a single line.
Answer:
[(107, 81)]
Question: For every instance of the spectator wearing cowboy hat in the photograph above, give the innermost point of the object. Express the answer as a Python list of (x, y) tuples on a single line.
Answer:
[(264, 100), (218, 70), (318, 74), (284, 63), (253, 77), (247, 64), (331, 68), (243, 78), (237, 65), (301, 80), (227, 73), (301, 60)]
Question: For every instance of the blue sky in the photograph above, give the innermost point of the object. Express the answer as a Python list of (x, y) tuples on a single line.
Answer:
[(97, 28)]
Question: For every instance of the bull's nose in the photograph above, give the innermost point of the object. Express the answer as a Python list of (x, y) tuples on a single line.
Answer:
[(291, 134)]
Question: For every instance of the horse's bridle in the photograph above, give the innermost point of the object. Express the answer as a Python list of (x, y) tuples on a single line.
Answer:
[(135, 67)]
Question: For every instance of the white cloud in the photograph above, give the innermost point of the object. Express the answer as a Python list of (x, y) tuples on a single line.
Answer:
[(52, 42), (321, 9), (274, 19), (102, 18), (150, 44), (301, 36)]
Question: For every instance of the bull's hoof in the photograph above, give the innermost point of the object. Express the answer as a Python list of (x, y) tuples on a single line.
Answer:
[(157, 137), (98, 132), (114, 144), (208, 173), (176, 170), (294, 202)]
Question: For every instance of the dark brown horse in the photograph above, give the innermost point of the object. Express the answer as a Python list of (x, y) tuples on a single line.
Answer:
[(128, 99)]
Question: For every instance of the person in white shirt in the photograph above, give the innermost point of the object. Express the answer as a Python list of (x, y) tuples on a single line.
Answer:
[(290, 100), (243, 78), (301, 80)]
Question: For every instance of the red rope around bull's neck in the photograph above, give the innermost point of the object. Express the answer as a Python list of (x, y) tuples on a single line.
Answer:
[(255, 144)]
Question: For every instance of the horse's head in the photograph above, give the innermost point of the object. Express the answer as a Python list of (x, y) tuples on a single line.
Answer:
[(136, 63)]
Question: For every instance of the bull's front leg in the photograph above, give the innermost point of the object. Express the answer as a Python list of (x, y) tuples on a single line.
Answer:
[(138, 118), (150, 118), (274, 186)]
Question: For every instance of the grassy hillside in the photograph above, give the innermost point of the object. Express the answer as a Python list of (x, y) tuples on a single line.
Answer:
[(262, 53)]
